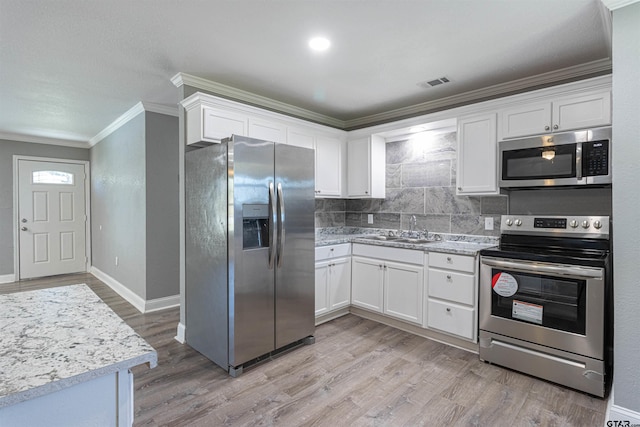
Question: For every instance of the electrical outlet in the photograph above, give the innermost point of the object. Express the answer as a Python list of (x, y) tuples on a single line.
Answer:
[(488, 223), (116, 260), (370, 218)]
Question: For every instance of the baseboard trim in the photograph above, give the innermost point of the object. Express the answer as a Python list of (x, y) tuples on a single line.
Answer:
[(126, 293), (142, 305), (180, 333), (162, 303), (618, 413), (7, 278)]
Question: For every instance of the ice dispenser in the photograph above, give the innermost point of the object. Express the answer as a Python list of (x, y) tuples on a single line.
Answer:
[(255, 226)]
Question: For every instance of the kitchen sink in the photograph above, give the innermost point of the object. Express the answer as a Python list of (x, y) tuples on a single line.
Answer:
[(383, 238), (398, 239)]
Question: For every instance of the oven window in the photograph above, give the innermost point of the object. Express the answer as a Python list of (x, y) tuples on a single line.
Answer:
[(552, 162), (552, 302)]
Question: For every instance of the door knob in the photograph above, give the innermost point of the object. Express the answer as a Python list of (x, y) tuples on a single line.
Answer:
[(24, 229)]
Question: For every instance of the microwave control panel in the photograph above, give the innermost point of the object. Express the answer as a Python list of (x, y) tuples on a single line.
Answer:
[(595, 158)]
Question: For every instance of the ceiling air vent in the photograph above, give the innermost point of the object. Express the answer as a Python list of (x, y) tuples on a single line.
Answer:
[(433, 83)]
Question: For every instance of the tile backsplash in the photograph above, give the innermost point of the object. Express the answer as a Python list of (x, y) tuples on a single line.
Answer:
[(420, 181)]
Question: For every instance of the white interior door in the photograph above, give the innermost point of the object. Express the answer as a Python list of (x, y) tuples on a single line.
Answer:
[(52, 218)]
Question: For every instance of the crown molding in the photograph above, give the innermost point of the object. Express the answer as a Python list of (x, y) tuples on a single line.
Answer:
[(43, 140), (182, 79), (140, 107), (617, 4), (571, 73)]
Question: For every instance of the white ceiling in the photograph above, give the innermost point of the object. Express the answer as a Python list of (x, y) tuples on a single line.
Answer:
[(69, 68)]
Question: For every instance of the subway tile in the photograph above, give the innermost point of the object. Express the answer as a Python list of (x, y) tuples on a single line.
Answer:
[(406, 200), (393, 177), (494, 205)]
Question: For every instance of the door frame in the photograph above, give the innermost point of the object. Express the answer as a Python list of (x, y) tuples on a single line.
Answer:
[(16, 213)]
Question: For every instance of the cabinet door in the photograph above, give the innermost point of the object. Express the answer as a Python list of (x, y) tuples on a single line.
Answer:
[(580, 112), (477, 155), (530, 119), (300, 138), (262, 129), (403, 288), (366, 167), (219, 124), (340, 283), (367, 283), (359, 169), (329, 167), (322, 282)]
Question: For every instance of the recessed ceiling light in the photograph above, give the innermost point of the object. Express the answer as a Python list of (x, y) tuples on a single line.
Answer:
[(319, 43)]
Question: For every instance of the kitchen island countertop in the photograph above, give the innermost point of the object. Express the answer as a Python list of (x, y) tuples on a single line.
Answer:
[(56, 338)]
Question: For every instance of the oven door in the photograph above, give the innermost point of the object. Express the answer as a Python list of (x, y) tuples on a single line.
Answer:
[(554, 305)]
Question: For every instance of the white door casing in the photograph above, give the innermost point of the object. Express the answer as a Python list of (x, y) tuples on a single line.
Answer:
[(51, 218)]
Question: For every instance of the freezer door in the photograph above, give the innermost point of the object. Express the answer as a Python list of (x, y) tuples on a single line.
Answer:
[(295, 257), (251, 280)]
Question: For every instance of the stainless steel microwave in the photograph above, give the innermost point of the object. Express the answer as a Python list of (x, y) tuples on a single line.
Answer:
[(564, 159)]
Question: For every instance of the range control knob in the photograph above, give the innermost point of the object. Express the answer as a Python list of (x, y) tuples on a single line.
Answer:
[(509, 222), (585, 224), (597, 224), (573, 223), (518, 222)]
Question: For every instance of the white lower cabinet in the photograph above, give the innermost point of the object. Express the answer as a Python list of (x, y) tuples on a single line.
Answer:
[(381, 283), (333, 278), (452, 295)]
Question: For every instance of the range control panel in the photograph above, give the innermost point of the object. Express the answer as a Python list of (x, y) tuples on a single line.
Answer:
[(589, 226)]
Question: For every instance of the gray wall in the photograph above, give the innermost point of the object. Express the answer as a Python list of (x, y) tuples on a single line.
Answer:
[(134, 175), (118, 178), (626, 205), (163, 248), (420, 181), (7, 150)]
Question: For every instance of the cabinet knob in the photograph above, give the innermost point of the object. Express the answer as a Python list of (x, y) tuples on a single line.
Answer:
[(366, 192), (547, 128), (449, 260), (448, 310), (448, 277), (555, 126), (459, 188), (331, 249)]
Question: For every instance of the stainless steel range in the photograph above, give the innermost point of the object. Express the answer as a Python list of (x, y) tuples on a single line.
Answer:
[(545, 300)]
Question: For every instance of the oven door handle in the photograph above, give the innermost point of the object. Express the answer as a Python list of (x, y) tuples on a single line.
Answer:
[(564, 270)]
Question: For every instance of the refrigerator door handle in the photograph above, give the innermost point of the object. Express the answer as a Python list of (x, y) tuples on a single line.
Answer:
[(272, 222), (281, 224)]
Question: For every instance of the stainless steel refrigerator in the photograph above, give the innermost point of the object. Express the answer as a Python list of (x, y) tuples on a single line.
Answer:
[(250, 249)]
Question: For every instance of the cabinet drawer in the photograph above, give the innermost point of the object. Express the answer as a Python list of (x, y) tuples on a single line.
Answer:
[(452, 262), (457, 287), (333, 251), (452, 318)]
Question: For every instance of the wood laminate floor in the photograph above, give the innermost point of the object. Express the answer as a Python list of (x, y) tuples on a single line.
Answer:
[(358, 373)]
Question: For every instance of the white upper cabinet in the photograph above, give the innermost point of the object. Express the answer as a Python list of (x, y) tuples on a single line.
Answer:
[(366, 168), (477, 155), (266, 130), (212, 125), (557, 115), (329, 167), (300, 138)]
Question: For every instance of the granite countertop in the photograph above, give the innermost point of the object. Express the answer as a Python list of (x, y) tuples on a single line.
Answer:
[(450, 243), (56, 338)]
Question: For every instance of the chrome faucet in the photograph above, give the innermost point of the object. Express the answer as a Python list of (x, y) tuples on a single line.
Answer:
[(412, 224)]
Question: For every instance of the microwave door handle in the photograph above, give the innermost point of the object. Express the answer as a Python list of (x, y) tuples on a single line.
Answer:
[(566, 271), (281, 225), (272, 223), (579, 161)]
